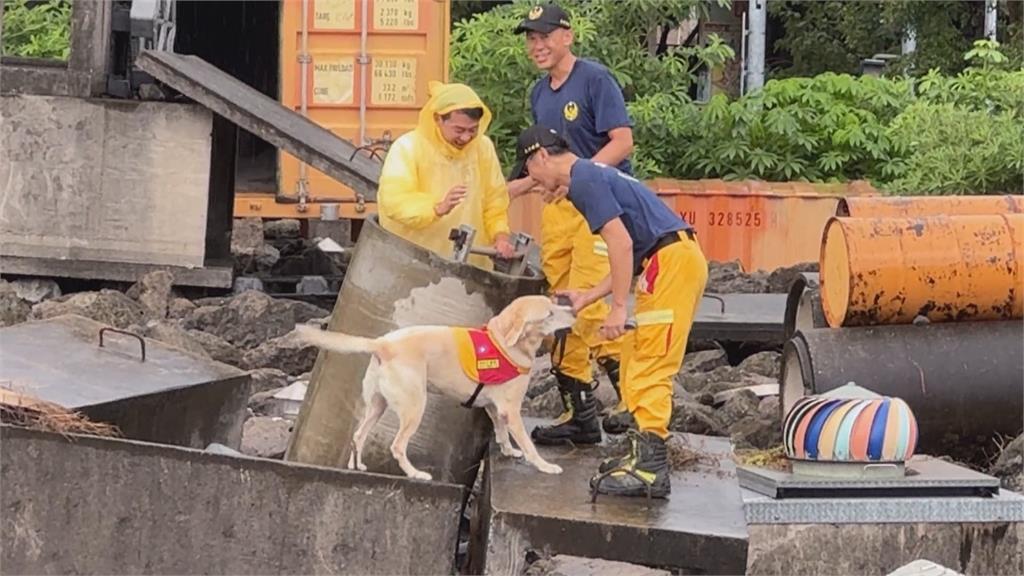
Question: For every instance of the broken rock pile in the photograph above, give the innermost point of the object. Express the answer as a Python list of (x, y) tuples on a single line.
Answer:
[(710, 397), (729, 278)]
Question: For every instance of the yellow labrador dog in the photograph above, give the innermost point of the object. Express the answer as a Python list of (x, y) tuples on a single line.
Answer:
[(406, 360)]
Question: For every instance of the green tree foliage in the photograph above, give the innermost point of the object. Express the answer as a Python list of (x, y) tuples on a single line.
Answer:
[(39, 31), (835, 35), (487, 55)]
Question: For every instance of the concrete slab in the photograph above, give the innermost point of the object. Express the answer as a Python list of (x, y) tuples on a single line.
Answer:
[(102, 180), (562, 565), (876, 550), (170, 397), (86, 505), (699, 528)]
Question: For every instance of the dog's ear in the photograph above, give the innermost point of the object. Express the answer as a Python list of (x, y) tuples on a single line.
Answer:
[(508, 325)]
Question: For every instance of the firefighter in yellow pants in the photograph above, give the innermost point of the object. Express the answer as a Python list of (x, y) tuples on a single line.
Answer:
[(573, 257), (648, 241)]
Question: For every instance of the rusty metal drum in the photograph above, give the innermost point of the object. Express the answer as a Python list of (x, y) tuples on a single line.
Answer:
[(945, 268)]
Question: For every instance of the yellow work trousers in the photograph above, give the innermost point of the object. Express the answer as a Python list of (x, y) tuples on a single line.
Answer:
[(668, 293), (574, 258)]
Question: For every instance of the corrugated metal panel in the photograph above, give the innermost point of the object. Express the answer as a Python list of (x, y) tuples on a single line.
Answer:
[(407, 43)]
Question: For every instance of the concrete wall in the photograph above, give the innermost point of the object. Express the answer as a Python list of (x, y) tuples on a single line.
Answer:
[(104, 180), (877, 549), (90, 505)]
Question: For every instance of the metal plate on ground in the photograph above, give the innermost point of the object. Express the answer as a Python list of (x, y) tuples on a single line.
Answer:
[(741, 318), (699, 528), (1006, 506), (927, 477), (171, 397)]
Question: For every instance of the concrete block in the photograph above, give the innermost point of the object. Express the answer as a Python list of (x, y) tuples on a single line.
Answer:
[(700, 528), (166, 395), (74, 505), (878, 549), (576, 566), (104, 180)]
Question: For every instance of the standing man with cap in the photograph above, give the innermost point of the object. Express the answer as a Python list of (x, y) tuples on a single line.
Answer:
[(581, 99), (649, 241)]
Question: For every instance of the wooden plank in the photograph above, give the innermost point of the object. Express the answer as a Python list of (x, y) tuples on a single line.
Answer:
[(209, 276), (265, 118)]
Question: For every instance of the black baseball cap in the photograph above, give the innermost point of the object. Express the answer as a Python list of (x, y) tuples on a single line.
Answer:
[(532, 139), (544, 18)]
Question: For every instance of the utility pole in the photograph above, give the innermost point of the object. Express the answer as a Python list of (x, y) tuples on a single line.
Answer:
[(757, 19), (991, 11)]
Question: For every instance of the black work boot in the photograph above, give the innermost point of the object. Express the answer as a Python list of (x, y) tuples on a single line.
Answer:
[(581, 425), (619, 419), (642, 472)]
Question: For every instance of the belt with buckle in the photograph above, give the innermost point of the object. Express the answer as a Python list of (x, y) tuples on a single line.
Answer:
[(661, 242)]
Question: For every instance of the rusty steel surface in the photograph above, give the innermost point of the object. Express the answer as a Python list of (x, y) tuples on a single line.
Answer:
[(393, 283), (764, 225), (962, 380), (917, 206), (945, 268)]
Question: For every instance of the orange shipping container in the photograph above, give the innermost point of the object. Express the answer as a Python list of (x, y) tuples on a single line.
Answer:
[(406, 44), (763, 225)]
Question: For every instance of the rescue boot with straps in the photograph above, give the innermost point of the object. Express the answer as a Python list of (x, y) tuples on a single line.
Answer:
[(581, 426), (619, 419), (644, 471)]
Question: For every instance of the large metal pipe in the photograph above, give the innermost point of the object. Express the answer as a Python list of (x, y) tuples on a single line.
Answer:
[(945, 268), (803, 305), (393, 283), (919, 206), (962, 380)]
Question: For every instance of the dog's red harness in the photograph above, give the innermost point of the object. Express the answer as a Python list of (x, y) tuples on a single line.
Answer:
[(483, 360)]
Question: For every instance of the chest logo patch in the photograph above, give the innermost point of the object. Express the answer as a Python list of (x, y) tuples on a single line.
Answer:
[(571, 111)]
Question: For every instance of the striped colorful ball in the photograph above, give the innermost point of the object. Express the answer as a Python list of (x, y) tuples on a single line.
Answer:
[(880, 429)]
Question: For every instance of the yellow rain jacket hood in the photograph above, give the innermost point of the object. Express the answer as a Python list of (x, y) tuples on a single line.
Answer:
[(421, 167)]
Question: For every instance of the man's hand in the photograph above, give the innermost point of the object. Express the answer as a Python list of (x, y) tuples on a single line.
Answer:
[(453, 198), (503, 247), (580, 298), (555, 195), (615, 324)]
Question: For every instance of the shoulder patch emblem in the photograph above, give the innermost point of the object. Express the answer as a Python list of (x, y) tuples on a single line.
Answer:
[(571, 111)]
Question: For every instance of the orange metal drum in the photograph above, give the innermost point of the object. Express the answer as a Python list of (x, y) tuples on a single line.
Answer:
[(919, 206), (946, 268)]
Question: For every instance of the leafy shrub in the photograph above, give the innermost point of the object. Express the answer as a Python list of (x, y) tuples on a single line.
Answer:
[(487, 55), (40, 31)]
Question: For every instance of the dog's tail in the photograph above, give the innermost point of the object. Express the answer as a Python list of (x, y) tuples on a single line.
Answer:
[(336, 341)]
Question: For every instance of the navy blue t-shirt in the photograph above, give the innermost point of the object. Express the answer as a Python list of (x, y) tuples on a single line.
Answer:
[(583, 109), (602, 193)]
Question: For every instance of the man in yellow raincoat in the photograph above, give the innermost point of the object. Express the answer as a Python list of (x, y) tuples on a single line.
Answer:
[(446, 173)]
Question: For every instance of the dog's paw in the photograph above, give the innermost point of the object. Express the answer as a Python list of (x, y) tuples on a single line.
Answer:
[(549, 468), (419, 475), (511, 452)]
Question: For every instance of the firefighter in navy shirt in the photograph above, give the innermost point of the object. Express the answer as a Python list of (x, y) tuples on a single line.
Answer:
[(648, 241), (581, 99)]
